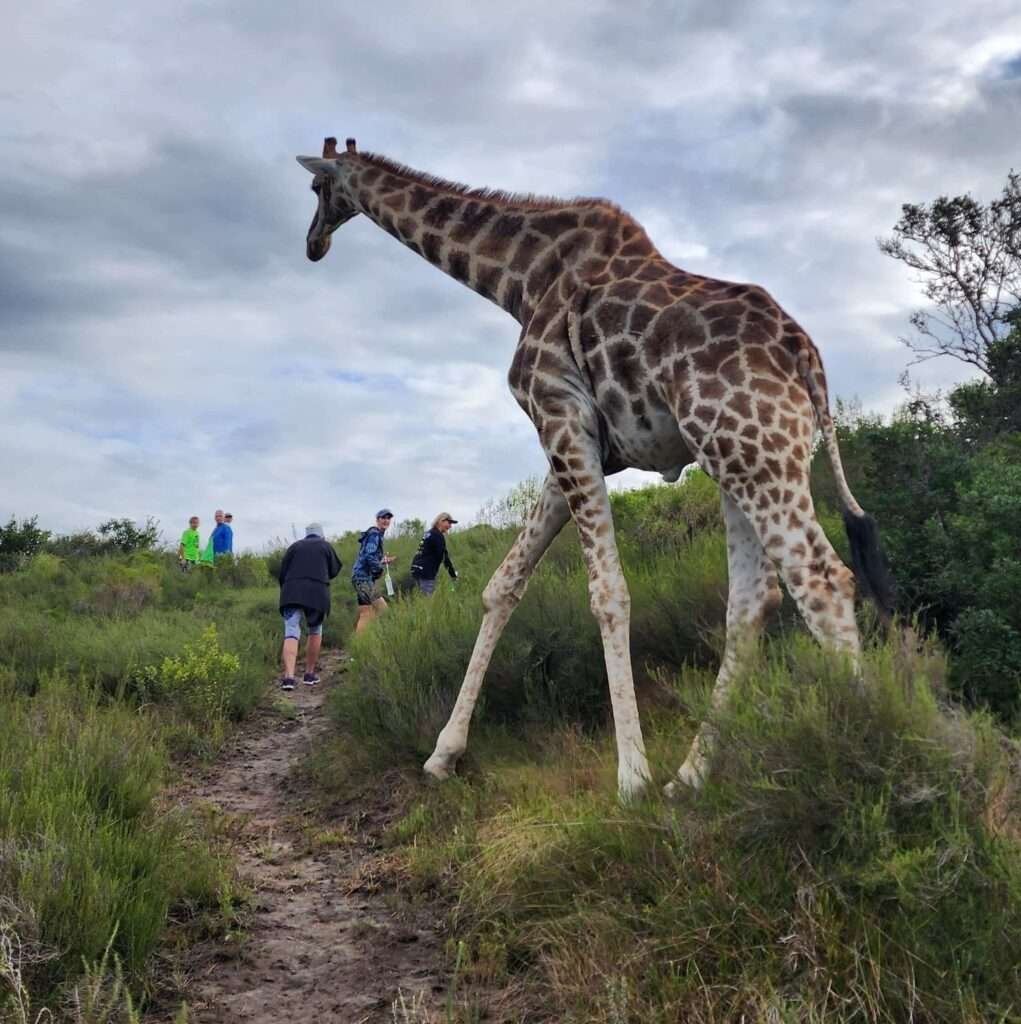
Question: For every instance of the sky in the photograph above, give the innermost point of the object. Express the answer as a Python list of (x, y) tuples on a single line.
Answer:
[(166, 349)]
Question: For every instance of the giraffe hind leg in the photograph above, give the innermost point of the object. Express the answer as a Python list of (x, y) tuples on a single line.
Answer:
[(753, 593)]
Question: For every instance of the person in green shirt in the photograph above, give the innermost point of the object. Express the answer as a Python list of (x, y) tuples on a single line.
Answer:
[(188, 549)]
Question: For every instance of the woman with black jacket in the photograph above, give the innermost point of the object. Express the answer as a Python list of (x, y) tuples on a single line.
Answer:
[(432, 552)]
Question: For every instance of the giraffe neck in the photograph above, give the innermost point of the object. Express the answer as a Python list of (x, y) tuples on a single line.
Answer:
[(510, 249)]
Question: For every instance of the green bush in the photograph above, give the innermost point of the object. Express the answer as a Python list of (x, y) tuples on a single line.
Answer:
[(843, 863), (85, 854)]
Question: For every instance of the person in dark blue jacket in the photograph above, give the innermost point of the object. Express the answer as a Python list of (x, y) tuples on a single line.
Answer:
[(432, 553), (369, 566), (305, 573)]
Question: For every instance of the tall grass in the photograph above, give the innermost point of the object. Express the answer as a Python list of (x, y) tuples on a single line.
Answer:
[(84, 853), (854, 855), (109, 665)]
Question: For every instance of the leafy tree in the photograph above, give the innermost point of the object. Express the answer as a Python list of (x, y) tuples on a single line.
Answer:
[(123, 535), (968, 259), (19, 542)]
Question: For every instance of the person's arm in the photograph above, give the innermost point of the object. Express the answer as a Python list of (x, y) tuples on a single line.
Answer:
[(334, 564), (285, 565), (374, 555), (180, 550), (449, 564), (230, 539)]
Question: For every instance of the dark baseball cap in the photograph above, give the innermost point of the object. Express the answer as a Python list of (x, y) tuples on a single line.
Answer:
[(384, 513)]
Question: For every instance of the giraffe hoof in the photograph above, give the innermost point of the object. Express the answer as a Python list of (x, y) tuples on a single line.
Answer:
[(439, 767), (688, 779)]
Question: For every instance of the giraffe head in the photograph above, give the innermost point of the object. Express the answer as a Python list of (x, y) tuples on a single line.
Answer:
[(334, 207)]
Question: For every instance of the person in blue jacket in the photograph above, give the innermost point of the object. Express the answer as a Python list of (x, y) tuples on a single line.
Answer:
[(369, 566), (222, 538)]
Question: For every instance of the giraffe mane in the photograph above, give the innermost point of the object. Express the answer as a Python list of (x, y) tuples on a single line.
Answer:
[(530, 200)]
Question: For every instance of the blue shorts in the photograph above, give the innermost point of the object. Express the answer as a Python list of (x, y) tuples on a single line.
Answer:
[(292, 621), (426, 586)]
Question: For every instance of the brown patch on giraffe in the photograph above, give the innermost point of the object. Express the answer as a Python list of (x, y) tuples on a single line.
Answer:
[(641, 317), (528, 248), (715, 310), (794, 471), (711, 358), (612, 403), (458, 264), (395, 202), (487, 279), (431, 244), (732, 372), (804, 502), (474, 217), (612, 318), (420, 198), (705, 413), (439, 214), (657, 294), (774, 441), (741, 404), (750, 431), (543, 275), (764, 413), (370, 176), (674, 330), (711, 389), (651, 270), (502, 232), (554, 224), (625, 291), (511, 298), (627, 367), (725, 446), (407, 226), (723, 327), (750, 453), (639, 245)]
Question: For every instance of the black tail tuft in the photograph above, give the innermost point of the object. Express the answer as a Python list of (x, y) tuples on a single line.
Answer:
[(869, 561)]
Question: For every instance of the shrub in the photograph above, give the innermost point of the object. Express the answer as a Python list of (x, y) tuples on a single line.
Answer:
[(19, 542), (200, 680)]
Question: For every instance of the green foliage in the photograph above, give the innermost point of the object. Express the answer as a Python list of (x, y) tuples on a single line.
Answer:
[(842, 864), (122, 536), (19, 542), (201, 680), (84, 852)]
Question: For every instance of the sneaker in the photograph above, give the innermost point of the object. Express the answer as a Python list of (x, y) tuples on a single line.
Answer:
[(287, 683), (311, 678)]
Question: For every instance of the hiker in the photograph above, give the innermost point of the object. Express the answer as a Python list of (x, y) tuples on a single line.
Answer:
[(222, 538), (305, 575), (368, 567), (228, 520), (431, 553), (188, 549)]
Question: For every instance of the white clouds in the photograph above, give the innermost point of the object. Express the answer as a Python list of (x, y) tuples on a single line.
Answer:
[(165, 347)]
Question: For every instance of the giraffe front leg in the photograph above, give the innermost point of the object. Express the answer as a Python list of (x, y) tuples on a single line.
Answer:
[(754, 592), (500, 598), (578, 468)]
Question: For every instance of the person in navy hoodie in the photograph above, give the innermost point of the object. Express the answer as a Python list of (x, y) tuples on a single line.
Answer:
[(369, 566)]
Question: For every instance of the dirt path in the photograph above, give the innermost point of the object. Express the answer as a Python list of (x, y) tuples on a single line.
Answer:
[(316, 947)]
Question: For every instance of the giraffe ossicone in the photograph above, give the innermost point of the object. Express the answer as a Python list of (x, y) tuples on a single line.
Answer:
[(625, 360)]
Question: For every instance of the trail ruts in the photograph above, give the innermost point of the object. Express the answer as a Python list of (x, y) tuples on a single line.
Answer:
[(315, 947)]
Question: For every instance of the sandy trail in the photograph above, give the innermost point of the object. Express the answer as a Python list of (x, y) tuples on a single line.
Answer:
[(317, 947)]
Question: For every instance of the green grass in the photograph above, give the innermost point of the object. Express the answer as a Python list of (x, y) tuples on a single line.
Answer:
[(110, 667), (854, 855)]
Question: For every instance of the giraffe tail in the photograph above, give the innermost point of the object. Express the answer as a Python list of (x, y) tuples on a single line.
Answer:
[(867, 558)]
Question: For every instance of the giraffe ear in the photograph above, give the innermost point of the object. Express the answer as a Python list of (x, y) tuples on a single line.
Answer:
[(317, 164)]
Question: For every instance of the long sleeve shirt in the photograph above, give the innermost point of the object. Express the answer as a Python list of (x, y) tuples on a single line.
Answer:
[(432, 552)]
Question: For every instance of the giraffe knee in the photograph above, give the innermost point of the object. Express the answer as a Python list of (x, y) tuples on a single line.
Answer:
[(501, 594)]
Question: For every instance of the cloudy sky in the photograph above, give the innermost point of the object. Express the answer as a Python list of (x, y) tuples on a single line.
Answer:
[(165, 347)]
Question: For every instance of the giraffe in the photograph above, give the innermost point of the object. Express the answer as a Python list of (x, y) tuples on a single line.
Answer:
[(624, 360)]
